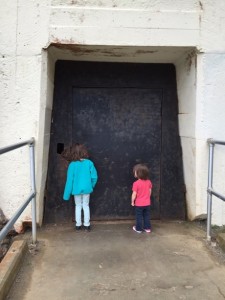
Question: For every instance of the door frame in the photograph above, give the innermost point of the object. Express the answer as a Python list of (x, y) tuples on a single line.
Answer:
[(170, 137)]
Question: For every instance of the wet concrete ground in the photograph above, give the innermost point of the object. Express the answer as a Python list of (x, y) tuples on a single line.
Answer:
[(114, 262)]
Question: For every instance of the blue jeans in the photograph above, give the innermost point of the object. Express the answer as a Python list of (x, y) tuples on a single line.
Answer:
[(142, 216), (82, 202)]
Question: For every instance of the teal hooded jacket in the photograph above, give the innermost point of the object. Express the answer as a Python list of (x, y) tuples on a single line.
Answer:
[(81, 178)]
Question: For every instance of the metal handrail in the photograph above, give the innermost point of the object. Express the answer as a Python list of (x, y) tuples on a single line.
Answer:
[(31, 198), (210, 190)]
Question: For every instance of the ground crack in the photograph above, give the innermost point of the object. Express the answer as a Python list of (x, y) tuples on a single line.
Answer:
[(221, 293)]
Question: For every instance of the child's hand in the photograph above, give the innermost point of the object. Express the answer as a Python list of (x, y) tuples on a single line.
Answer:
[(132, 202)]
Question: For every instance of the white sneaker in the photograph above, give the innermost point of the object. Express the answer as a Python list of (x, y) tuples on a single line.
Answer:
[(134, 228)]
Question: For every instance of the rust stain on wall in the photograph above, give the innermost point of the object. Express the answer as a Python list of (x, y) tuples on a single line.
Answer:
[(189, 59), (85, 50), (73, 47), (146, 51)]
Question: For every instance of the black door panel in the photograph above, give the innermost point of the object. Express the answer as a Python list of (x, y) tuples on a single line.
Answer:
[(121, 127)]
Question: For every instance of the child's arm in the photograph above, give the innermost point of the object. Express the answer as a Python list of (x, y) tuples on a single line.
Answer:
[(133, 197), (94, 175), (150, 190), (69, 182)]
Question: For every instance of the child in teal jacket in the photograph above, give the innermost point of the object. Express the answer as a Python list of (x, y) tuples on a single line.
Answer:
[(81, 180)]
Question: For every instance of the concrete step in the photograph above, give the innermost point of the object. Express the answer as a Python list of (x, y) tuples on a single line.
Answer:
[(10, 266)]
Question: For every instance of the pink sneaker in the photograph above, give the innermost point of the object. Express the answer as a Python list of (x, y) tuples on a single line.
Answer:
[(134, 228), (147, 230)]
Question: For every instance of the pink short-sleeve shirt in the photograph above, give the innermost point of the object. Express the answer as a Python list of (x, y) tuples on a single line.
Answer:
[(142, 188)]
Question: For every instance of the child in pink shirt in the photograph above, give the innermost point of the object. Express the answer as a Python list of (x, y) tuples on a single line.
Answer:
[(140, 198)]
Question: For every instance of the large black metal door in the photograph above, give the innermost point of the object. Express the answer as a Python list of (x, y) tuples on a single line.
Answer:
[(121, 127), (125, 113)]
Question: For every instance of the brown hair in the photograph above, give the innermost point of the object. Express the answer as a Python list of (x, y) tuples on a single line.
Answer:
[(75, 152), (142, 171)]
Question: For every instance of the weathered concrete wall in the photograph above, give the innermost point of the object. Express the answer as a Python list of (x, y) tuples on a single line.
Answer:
[(22, 34), (27, 29), (186, 89), (210, 121)]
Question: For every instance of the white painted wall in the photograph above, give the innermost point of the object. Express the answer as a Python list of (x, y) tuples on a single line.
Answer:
[(169, 30), (210, 123)]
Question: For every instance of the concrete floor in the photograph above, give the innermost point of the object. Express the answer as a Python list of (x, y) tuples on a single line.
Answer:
[(114, 262)]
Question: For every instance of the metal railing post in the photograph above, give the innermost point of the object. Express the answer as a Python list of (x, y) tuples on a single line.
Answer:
[(33, 201), (209, 194), (31, 198)]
